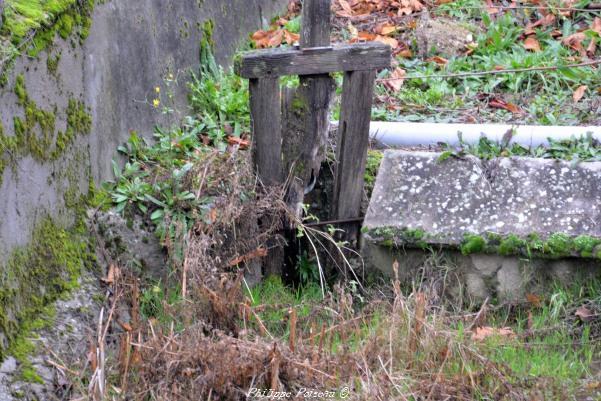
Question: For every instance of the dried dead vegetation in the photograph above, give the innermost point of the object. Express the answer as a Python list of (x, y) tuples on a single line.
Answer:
[(213, 344)]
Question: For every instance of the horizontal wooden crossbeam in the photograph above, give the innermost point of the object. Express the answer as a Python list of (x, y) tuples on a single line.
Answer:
[(295, 61)]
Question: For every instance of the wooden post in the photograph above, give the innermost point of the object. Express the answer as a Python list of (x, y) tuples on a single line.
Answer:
[(266, 126), (310, 104), (267, 153), (351, 151)]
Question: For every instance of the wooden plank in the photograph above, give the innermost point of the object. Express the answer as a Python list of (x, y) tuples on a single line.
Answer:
[(351, 151), (316, 26), (307, 113), (306, 123), (265, 105), (294, 61)]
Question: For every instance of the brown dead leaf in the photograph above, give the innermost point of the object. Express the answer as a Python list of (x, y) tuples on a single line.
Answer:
[(584, 314), (392, 42), (491, 8), (395, 82), (367, 36), (291, 37), (125, 326), (592, 47), (386, 29), (406, 53), (501, 104), (112, 275), (531, 43), (547, 20), (596, 25), (347, 10), (579, 93), (257, 253), (438, 60), (534, 300), (276, 39), (574, 41), (92, 358), (482, 333)]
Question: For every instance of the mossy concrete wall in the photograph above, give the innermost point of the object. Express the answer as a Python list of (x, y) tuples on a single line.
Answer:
[(64, 112)]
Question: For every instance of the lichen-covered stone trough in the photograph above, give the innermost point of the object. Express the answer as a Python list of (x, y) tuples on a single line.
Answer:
[(506, 226)]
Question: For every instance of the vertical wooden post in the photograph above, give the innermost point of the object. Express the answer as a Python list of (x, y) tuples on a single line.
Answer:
[(266, 127), (267, 152), (351, 151), (310, 104)]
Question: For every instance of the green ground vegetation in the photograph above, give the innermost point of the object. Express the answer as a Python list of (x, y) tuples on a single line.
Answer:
[(539, 97)]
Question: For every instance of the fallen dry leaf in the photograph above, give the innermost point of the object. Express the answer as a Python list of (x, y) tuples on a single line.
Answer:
[(392, 42), (438, 60), (596, 25), (501, 104), (574, 41), (592, 47), (397, 77), (112, 275), (531, 43), (386, 29), (347, 10), (234, 140), (257, 253), (534, 300), (579, 93), (482, 333), (584, 314)]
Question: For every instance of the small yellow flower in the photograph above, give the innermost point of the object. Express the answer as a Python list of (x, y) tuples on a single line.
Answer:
[(156, 103), (157, 89), (170, 77)]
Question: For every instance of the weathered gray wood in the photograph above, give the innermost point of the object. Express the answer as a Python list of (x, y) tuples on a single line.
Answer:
[(265, 103), (307, 113), (305, 122), (287, 61), (266, 126), (316, 26), (351, 151)]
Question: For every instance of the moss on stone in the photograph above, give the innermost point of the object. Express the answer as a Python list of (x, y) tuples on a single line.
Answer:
[(35, 132), (473, 244), (511, 245), (586, 245), (557, 245), (38, 274), (52, 63)]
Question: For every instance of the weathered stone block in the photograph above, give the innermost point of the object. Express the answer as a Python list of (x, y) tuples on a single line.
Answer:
[(509, 206), (511, 225)]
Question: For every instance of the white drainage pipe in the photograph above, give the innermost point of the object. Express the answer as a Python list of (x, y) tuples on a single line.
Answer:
[(401, 134)]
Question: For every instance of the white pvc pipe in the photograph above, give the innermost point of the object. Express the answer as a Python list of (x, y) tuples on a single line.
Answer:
[(394, 134)]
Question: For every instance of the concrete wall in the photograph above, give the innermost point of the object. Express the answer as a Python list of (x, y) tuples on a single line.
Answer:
[(131, 47)]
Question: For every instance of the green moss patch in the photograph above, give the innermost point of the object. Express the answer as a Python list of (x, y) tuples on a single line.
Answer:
[(35, 132), (37, 275), (31, 26), (556, 245)]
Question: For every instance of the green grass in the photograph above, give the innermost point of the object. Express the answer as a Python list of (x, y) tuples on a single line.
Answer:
[(544, 96), (554, 348), (276, 299)]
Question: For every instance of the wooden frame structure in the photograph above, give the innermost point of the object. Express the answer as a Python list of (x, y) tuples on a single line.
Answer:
[(298, 159)]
